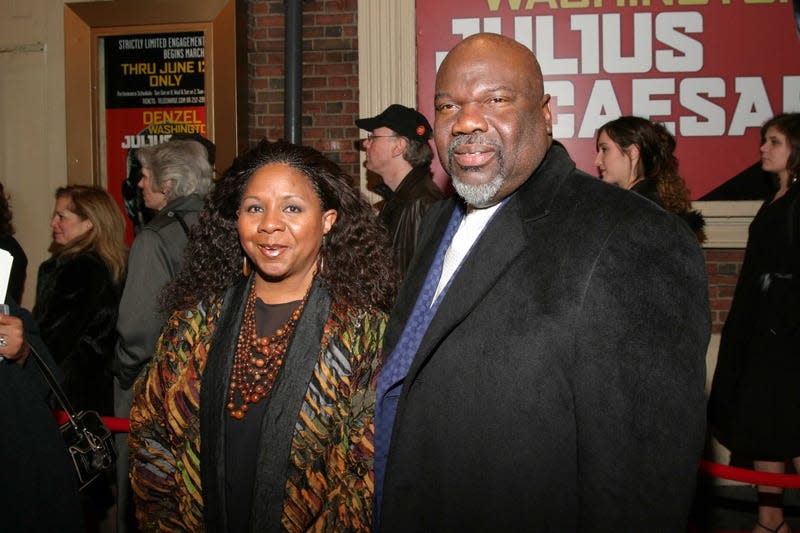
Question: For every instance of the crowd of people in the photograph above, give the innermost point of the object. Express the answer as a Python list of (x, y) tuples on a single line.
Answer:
[(292, 358)]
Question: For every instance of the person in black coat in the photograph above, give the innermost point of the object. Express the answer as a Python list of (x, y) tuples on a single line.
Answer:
[(78, 293), (77, 296), (556, 383), (39, 484), (397, 150), (755, 399)]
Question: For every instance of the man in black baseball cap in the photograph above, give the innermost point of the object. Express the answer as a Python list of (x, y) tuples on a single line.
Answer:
[(398, 151)]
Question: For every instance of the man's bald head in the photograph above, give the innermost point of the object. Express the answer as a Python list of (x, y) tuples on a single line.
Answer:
[(494, 45), (493, 123)]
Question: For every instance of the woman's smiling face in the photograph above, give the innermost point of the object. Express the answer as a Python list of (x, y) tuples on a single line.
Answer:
[(281, 224)]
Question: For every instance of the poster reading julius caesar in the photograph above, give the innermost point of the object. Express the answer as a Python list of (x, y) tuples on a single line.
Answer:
[(712, 71)]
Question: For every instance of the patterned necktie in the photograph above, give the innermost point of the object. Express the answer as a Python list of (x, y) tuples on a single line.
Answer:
[(399, 362)]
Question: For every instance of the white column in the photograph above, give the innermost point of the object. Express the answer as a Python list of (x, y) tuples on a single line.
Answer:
[(387, 62)]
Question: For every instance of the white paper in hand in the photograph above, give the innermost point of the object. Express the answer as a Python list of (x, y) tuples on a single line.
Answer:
[(5, 272)]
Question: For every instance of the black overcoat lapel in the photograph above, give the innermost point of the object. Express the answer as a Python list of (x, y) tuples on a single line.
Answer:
[(501, 242), (506, 236)]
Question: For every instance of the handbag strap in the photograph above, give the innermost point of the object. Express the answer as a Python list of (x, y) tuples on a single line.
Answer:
[(58, 392), (179, 217)]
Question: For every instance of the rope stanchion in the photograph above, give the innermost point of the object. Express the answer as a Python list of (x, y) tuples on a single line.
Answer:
[(754, 477), (115, 425)]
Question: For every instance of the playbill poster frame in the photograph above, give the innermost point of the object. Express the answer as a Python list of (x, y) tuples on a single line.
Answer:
[(138, 72)]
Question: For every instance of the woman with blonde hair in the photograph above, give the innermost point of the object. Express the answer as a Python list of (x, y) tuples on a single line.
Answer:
[(78, 291), (77, 295)]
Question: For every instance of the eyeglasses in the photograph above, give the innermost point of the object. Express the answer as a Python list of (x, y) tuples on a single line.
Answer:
[(370, 136)]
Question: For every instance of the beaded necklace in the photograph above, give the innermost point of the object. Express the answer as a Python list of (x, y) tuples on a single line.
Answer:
[(257, 359)]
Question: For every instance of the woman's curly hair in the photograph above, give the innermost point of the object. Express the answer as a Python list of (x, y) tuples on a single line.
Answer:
[(657, 161), (6, 224), (358, 268)]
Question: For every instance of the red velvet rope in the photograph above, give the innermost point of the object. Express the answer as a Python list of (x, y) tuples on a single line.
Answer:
[(787, 481), (733, 473), (115, 425)]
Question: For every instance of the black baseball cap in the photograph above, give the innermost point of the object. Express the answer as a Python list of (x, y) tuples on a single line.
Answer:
[(404, 120)]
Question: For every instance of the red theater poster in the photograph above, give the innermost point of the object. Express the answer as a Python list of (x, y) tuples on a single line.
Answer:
[(711, 70), (154, 88)]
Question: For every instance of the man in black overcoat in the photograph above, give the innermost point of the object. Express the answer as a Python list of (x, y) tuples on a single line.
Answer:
[(37, 480), (552, 377)]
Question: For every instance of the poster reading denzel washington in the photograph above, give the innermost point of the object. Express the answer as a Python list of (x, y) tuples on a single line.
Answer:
[(154, 88)]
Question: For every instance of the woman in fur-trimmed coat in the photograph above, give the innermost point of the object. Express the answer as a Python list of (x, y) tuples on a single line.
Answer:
[(78, 292), (77, 295)]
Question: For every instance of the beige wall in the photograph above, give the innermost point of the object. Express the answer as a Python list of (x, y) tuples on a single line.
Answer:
[(32, 144)]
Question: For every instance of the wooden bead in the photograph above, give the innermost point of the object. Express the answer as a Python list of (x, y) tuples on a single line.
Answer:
[(253, 375)]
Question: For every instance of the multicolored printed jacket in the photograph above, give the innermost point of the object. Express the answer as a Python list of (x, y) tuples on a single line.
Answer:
[(318, 472)]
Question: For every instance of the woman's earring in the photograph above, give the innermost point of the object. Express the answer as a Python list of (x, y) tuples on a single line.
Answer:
[(325, 240), (246, 267)]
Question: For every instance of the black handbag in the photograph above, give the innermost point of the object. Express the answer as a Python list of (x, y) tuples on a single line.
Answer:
[(89, 442)]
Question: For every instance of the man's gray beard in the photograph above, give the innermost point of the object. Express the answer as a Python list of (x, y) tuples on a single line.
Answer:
[(478, 195)]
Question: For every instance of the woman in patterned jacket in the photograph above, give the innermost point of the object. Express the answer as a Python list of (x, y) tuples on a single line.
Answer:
[(256, 411)]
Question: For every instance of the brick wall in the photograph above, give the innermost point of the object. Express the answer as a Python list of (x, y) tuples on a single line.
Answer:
[(330, 76), (723, 271)]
